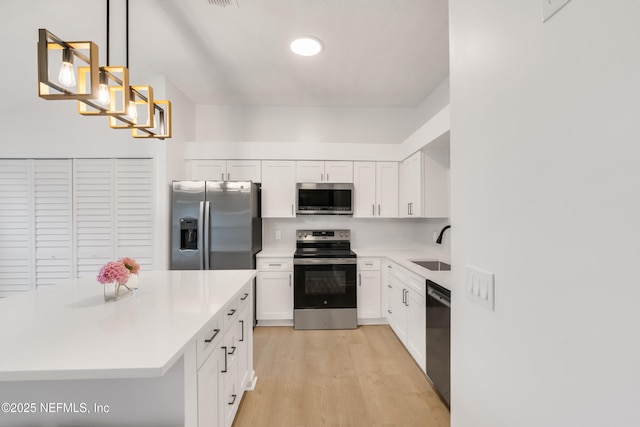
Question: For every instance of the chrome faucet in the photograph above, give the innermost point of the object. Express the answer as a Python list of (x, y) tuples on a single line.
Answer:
[(439, 240)]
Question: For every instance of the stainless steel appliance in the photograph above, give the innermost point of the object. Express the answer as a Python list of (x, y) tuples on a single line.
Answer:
[(324, 198), (216, 225), (324, 276), (439, 338)]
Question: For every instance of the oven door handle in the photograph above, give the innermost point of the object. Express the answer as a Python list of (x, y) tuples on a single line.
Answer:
[(324, 261)]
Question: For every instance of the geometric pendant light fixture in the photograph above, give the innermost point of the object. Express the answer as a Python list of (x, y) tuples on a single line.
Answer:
[(70, 71)]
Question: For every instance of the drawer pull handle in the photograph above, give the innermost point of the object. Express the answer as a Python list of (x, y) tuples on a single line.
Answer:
[(244, 297), (215, 333), (233, 399), (224, 371), (275, 265), (232, 312), (233, 350)]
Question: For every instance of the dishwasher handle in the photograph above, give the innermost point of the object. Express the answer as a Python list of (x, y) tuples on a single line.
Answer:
[(443, 299)]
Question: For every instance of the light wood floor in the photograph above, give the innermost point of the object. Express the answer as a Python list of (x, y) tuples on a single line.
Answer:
[(362, 377)]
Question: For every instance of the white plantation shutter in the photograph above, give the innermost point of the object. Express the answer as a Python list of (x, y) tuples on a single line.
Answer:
[(53, 223), (93, 214), (15, 226), (134, 210)]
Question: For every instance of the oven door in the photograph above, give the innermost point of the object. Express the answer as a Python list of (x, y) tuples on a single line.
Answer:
[(324, 283)]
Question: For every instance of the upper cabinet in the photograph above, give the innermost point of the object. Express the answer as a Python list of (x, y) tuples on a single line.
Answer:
[(411, 186), (435, 169), (278, 189), (324, 171), (375, 189), (424, 183), (226, 170)]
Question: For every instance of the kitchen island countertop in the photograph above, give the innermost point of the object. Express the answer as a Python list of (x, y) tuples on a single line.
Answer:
[(68, 331)]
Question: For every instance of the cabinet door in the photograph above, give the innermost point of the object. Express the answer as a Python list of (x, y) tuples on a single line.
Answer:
[(16, 217), (278, 189), (399, 309), (338, 171), (364, 185), (411, 186), (368, 294), (416, 339), (387, 189), (209, 391), (243, 324), (53, 221), (244, 170), (310, 171), (274, 295), (212, 170), (436, 183)]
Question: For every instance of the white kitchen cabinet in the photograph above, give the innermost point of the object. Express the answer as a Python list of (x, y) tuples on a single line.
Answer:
[(411, 186), (368, 291), (408, 311), (274, 290), (278, 189), (226, 170), (324, 171), (226, 346), (436, 182), (376, 189)]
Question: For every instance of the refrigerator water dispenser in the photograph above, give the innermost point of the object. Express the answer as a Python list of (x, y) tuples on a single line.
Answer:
[(188, 234)]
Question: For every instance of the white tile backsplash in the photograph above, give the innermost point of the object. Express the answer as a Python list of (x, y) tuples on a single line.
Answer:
[(365, 233)]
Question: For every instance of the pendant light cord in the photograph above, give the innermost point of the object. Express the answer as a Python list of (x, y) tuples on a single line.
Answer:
[(127, 31), (108, 63)]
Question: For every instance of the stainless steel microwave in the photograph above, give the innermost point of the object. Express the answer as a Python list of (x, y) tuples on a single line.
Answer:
[(324, 198)]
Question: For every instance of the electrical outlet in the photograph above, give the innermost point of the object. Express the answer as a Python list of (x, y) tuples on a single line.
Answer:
[(551, 7), (480, 287), (278, 234), (435, 236)]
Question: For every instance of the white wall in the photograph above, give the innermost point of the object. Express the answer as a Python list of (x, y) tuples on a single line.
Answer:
[(36, 128), (546, 194)]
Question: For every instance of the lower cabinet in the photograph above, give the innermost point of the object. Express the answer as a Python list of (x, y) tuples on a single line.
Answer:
[(407, 310), (369, 294), (225, 360), (274, 290)]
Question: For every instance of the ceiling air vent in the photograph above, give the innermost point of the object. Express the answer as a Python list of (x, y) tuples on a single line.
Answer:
[(223, 3)]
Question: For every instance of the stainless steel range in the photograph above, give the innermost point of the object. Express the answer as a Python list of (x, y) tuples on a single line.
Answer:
[(324, 273)]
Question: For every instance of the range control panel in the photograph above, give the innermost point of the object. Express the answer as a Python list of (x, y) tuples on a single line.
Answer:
[(319, 235)]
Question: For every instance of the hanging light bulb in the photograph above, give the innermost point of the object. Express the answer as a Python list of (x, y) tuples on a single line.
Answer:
[(104, 97), (132, 111), (67, 76)]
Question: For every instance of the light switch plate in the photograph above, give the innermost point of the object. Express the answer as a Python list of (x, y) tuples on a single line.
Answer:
[(480, 287), (551, 7)]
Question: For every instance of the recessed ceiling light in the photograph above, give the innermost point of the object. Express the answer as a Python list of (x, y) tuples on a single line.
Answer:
[(306, 46)]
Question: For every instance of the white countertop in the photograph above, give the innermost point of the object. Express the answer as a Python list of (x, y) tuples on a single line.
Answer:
[(67, 331), (400, 256)]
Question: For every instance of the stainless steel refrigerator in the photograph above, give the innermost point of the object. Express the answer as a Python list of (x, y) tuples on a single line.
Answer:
[(216, 225)]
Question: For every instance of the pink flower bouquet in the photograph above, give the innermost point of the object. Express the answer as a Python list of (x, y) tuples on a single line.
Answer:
[(113, 271), (131, 265)]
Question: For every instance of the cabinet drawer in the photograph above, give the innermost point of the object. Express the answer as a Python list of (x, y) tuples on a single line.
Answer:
[(244, 298), (208, 339), (275, 264), (229, 314), (368, 263)]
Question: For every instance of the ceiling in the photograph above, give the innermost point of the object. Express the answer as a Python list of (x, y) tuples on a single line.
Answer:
[(378, 53)]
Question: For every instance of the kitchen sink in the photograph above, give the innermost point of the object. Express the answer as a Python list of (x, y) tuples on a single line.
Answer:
[(433, 265)]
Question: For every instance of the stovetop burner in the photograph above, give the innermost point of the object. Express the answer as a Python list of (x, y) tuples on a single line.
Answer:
[(323, 244)]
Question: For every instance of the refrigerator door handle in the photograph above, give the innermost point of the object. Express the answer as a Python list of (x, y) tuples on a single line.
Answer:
[(201, 229), (207, 235)]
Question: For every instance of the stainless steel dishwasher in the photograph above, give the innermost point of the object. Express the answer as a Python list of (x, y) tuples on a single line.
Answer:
[(439, 338)]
